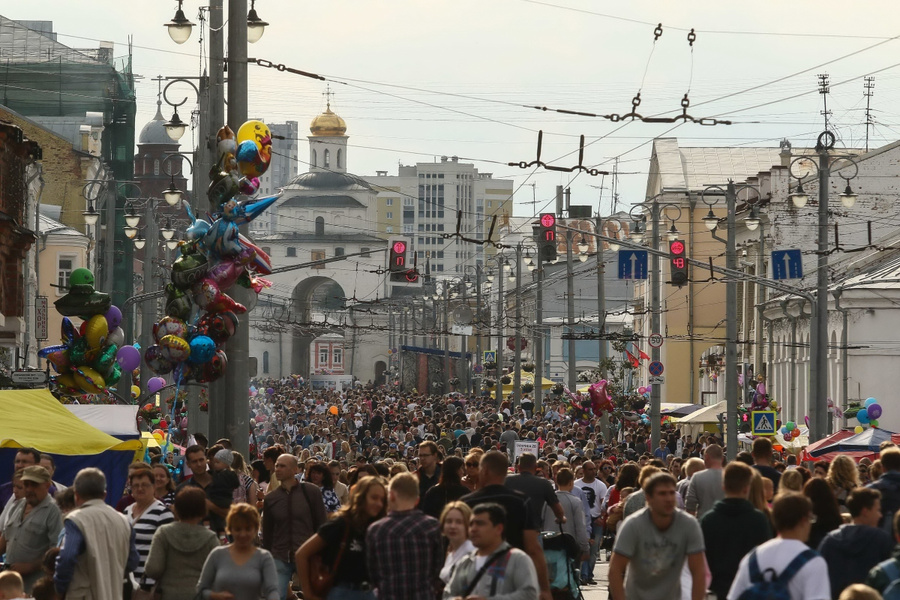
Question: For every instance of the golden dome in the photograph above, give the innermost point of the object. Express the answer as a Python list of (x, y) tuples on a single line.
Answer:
[(328, 124)]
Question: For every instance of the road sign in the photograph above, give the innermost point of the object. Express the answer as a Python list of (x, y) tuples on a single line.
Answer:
[(632, 264), (655, 340), (656, 368), (763, 422), (656, 380), (787, 264), (489, 356), (28, 377)]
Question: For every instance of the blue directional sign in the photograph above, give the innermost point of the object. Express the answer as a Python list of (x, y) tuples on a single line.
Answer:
[(632, 264), (763, 422), (787, 264)]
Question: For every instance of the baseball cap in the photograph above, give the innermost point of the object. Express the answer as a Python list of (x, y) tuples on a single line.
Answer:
[(36, 474)]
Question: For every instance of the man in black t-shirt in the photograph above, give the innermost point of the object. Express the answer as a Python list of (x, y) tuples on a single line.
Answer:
[(762, 460), (522, 523)]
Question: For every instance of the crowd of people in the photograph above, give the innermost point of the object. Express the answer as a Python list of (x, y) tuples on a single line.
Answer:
[(376, 493)]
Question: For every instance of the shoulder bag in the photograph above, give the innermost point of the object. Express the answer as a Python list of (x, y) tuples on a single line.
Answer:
[(321, 576)]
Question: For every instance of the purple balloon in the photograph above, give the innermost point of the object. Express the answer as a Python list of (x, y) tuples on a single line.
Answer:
[(155, 384), (874, 411), (129, 358), (113, 317)]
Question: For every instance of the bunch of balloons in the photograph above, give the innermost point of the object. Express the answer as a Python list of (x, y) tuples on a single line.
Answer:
[(869, 413), (790, 431), (760, 400), (214, 257), (92, 356)]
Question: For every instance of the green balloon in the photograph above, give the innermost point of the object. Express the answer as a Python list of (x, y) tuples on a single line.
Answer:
[(106, 359), (77, 352), (113, 375), (81, 276)]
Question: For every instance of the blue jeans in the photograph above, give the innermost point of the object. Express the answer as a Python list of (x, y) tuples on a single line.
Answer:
[(587, 567), (285, 571), (341, 592)]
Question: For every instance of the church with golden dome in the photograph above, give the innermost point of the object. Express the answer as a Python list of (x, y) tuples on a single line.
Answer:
[(304, 324)]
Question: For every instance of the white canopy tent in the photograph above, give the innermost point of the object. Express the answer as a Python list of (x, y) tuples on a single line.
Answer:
[(695, 423), (115, 420)]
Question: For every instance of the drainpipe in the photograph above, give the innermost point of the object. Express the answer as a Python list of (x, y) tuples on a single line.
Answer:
[(32, 296)]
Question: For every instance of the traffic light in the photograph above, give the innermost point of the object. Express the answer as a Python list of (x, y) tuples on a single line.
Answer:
[(678, 265), (400, 271), (546, 239)]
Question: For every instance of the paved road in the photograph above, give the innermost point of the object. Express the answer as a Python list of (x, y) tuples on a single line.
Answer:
[(600, 591)]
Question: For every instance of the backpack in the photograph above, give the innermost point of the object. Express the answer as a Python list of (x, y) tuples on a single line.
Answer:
[(776, 587), (892, 570)]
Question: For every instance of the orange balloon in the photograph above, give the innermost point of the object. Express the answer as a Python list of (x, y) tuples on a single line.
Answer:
[(333, 410)]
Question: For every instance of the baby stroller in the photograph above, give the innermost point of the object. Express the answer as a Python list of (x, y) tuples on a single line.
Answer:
[(561, 553)]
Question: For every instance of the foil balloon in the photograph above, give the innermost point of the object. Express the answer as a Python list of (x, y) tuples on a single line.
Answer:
[(156, 361), (226, 142), (67, 383), (197, 230), (174, 348), (208, 297), (600, 399), (114, 374), (48, 350), (68, 330), (89, 380), (169, 326), (113, 317), (182, 373), (188, 269), (214, 369), (116, 336), (253, 161), (219, 327), (224, 186), (106, 359), (83, 300), (96, 331), (248, 185), (178, 304), (202, 349)]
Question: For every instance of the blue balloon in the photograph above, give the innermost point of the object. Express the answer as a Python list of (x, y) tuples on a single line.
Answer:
[(863, 417), (202, 349), (870, 402)]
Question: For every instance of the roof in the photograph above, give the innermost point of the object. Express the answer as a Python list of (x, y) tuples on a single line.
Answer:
[(882, 277), (694, 168), (328, 180), (154, 132), (337, 201), (47, 225)]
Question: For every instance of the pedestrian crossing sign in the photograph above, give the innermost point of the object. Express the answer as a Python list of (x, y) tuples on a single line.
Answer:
[(763, 422)]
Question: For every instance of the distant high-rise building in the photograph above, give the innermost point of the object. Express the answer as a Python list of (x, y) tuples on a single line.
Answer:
[(422, 202)]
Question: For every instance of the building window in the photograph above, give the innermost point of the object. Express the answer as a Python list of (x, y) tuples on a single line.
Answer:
[(390, 215), (340, 159), (389, 202), (313, 158), (365, 252), (267, 250), (266, 361), (323, 356), (337, 355), (291, 251), (338, 251), (66, 264), (408, 201), (327, 162), (320, 225), (389, 229), (317, 255)]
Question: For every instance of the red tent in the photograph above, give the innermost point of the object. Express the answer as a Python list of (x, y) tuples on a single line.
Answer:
[(827, 441), (847, 443)]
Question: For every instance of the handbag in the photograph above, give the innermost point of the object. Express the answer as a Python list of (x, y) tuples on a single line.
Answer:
[(321, 576), (152, 594)]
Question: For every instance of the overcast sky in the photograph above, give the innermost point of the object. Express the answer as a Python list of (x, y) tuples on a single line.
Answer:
[(584, 55)]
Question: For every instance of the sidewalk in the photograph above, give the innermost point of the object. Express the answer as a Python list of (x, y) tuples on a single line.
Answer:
[(600, 591)]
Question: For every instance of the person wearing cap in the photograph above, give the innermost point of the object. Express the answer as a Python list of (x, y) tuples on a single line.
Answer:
[(33, 526), (224, 481)]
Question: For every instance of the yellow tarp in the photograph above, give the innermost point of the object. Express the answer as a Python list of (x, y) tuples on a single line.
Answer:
[(35, 419), (527, 378)]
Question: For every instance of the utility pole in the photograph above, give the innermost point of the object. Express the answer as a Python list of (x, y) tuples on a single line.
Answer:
[(478, 270), (501, 312), (655, 392), (539, 334), (446, 337), (570, 312), (868, 86), (148, 307), (517, 365), (601, 321), (731, 389), (819, 339)]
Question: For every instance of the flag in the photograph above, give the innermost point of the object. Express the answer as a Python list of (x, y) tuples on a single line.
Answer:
[(642, 354), (632, 359)]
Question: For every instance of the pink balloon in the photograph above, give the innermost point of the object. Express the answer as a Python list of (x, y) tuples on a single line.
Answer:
[(225, 273), (642, 390), (761, 388)]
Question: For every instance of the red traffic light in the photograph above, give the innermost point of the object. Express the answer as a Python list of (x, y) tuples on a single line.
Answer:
[(548, 220), (412, 276), (676, 247), (399, 247)]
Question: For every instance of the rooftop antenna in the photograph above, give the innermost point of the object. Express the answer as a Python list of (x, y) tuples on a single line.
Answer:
[(868, 87), (824, 89)]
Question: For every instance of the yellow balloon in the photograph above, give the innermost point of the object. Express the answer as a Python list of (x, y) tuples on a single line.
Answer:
[(96, 331), (256, 131), (175, 348), (135, 391), (858, 429), (159, 438), (66, 381), (89, 380)]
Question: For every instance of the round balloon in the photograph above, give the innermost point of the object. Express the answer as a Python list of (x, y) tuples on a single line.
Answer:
[(874, 422), (169, 326), (163, 425), (129, 358), (333, 410), (175, 348), (255, 131), (155, 384), (790, 425), (863, 416), (135, 391), (642, 390), (874, 411), (869, 402), (156, 361), (202, 349), (113, 317), (858, 429), (81, 276), (116, 337)]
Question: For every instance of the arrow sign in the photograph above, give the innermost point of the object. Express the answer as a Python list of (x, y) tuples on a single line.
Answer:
[(787, 264), (632, 264)]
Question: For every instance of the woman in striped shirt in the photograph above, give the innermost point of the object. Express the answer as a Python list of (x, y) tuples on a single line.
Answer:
[(147, 514), (164, 486)]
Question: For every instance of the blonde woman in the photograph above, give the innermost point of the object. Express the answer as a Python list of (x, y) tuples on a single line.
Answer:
[(757, 495), (791, 482), (455, 528), (843, 478)]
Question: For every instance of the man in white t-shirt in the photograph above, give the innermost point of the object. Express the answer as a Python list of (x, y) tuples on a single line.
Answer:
[(595, 491), (791, 514)]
